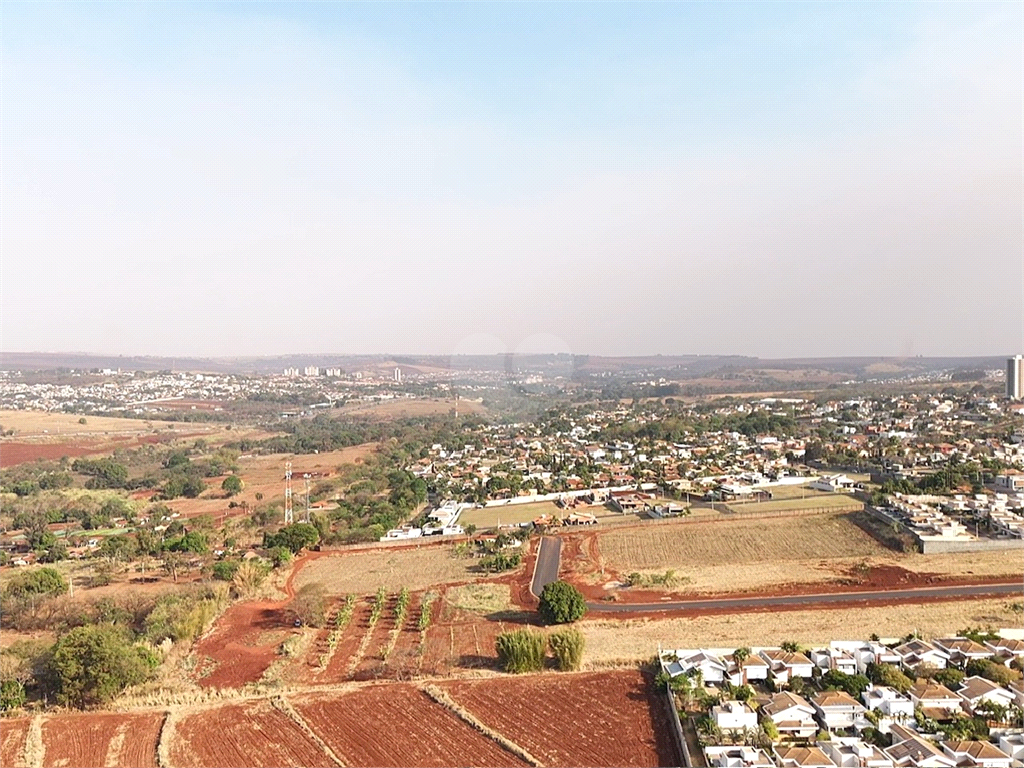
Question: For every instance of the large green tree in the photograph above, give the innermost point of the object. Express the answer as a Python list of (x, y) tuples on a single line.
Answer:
[(92, 664), (561, 603)]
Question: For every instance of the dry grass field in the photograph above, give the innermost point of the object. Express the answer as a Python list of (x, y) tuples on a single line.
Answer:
[(611, 642), (744, 554), (363, 572), (66, 425), (811, 500), (697, 545)]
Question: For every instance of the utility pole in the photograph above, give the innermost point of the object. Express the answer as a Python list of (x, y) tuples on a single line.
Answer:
[(289, 516)]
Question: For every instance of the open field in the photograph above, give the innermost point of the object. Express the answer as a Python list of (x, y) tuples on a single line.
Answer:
[(690, 546), (396, 725), (30, 424), (614, 642), (363, 572), (101, 740), (610, 718), (812, 500), (253, 733), (741, 554)]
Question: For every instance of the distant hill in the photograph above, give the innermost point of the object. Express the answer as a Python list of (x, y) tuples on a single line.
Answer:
[(674, 366)]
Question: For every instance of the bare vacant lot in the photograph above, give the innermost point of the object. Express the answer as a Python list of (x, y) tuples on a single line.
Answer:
[(795, 501), (698, 545), (744, 554), (611, 642), (364, 572)]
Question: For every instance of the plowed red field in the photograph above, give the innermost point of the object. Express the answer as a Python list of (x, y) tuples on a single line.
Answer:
[(600, 718), (242, 735), (84, 741), (12, 741), (396, 725)]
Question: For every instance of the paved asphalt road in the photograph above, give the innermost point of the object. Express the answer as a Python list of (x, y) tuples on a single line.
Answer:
[(908, 595), (546, 569)]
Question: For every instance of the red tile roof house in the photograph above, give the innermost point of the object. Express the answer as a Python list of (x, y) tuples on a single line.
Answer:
[(912, 751), (792, 715), (802, 757), (962, 649), (977, 690), (916, 652), (977, 754), (786, 665), (936, 701), (838, 710)]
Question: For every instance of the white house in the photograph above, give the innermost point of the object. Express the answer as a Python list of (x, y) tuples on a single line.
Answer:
[(1006, 648), (785, 665), (980, 754), (875, 653), (734, 716), (802, 757), (840, 659), (736, 757), (711, 667), (962, 649), (753, 667), (839, 710), (792, 715), (832, 484), (936, 701), (917, 652), (1013, 745), (977, 690), (912, 751), (851, 752), (890, 704)]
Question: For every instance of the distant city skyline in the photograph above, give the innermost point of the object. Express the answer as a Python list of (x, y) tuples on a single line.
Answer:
[(763, 179)]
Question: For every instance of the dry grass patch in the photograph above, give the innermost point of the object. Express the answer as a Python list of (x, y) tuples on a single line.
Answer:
[(690, 546), (364, 572), (611, 642), (480, 598), (812, 500)]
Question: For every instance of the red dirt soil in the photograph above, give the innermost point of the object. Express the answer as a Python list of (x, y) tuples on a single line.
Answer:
[(600, 718), (398, 725), (12, 454), (12, 741), (93, 741), (242, 735), (243, 644)]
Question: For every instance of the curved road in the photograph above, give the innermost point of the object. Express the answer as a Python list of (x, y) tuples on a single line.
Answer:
[(545, 570)]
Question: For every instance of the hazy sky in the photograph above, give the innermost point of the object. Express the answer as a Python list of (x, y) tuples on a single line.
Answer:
[(256, 178)]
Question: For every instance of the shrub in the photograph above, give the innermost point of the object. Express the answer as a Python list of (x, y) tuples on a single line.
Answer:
[(91, 665), (561, 603), (310, 606), (225, 570), (567, 646), (12, 695), (501, 562), (232, 484), (37, 581), (990, 670), (521, 650)]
